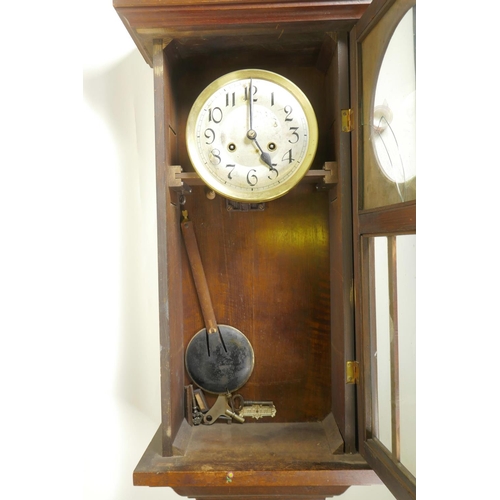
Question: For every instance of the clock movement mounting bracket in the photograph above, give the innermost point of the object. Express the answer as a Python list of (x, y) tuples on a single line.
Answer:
[(181, 182)]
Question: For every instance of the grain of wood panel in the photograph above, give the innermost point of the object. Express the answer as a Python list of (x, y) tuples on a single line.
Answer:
[(268, 276), (390, 220)]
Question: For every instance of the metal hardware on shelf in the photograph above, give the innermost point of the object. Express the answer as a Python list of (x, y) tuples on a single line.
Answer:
[(257, 411), (253, 409), (221, 408), (195, 404)]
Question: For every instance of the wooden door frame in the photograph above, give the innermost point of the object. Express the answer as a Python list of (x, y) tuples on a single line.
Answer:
[(389, 221)]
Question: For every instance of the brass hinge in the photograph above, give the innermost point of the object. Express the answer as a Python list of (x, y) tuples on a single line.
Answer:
[(352, 372), (347, 122)]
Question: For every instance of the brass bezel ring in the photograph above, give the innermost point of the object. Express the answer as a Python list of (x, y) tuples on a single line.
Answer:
[(275, 191)]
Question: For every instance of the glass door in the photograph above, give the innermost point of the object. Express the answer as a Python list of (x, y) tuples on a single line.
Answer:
[(384, 200)]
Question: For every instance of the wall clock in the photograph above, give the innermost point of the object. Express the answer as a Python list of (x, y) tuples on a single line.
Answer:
[(278, 183)]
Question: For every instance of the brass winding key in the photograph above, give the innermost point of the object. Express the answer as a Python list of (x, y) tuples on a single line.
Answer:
[(221, 408)]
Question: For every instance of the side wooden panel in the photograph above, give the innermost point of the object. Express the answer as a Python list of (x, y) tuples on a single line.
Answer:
[(169, 269), (341, 266)]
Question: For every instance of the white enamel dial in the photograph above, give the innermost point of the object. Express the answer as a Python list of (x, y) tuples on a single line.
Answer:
[(252, 135)]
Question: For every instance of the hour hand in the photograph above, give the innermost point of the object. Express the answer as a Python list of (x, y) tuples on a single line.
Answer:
[(265, 157)]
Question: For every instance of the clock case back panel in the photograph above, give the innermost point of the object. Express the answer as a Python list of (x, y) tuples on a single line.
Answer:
[(283, 276), (268, 270)]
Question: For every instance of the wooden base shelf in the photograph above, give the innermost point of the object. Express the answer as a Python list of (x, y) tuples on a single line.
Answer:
[(260, 460)]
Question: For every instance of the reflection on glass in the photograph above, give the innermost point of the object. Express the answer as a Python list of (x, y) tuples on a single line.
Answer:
[(382, 358), (393, 339), (388, 109), (406, 266), (393, 132)]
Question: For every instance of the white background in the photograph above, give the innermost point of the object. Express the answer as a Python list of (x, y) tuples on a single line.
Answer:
[(79, 362)]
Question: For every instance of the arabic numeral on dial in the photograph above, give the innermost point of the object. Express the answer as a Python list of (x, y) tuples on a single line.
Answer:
[(254, 91), (232, 167), (295, 135), (252, 179), (210, 135), (288, 111), (288, 156), (215, 115), (215, 158), (230, 99), (273, 171)]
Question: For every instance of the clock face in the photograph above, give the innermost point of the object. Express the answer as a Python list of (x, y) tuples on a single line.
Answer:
[(252, 135)]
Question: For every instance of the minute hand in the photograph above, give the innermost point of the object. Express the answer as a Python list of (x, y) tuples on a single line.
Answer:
[(250, 100), (252, 135)]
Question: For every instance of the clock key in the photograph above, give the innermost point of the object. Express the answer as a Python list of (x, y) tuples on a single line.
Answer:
[(221, 408)]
